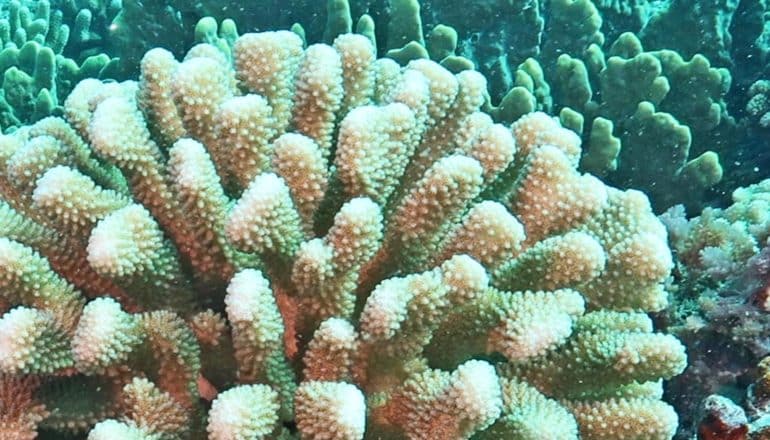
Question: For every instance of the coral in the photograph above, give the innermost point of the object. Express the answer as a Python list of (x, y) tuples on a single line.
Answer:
[(20, 413), (733, 315), (139, 26), (142, 25), (554, 56), (37, 72), (323, 244), (687, 83), (406, 25), (640, 136), (720, 296), (717, 244), (730, 33), (676, 111), (758, 105), (711, 20), (551, 57), (722, 418)]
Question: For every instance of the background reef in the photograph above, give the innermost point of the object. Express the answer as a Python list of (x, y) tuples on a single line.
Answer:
[(668, 97)]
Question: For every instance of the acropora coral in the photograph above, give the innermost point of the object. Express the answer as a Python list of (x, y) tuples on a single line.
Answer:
[(289, 242)]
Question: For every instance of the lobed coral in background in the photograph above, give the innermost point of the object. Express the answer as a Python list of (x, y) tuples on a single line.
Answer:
[(38, 72), (326, 245), (566, 56)]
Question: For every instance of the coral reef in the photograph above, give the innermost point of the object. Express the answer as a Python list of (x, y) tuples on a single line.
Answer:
[(724, 331), (664, 137), (321, 244), (720, 297), (722, 419), (678, 116), (717, 244), (504, 38), (732, 34), (663, 114), (644, 116), (758, 105), (756, 123)]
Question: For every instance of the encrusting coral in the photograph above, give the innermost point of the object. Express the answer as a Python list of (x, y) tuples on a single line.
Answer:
[(328, 246)]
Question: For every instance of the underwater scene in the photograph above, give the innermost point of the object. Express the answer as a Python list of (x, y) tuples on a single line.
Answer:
[(385, 219)]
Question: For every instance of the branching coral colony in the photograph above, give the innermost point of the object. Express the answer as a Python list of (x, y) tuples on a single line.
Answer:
[(328, 246)]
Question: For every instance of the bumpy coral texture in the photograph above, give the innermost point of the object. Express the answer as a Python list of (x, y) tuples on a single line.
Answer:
[(327, 246)]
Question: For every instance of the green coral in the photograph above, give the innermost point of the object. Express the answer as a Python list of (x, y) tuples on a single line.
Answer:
[(663, 110), (37, 75), (758, 105), (711, 22)]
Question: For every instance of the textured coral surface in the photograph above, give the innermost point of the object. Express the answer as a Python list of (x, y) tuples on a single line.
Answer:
[(274, 241)]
